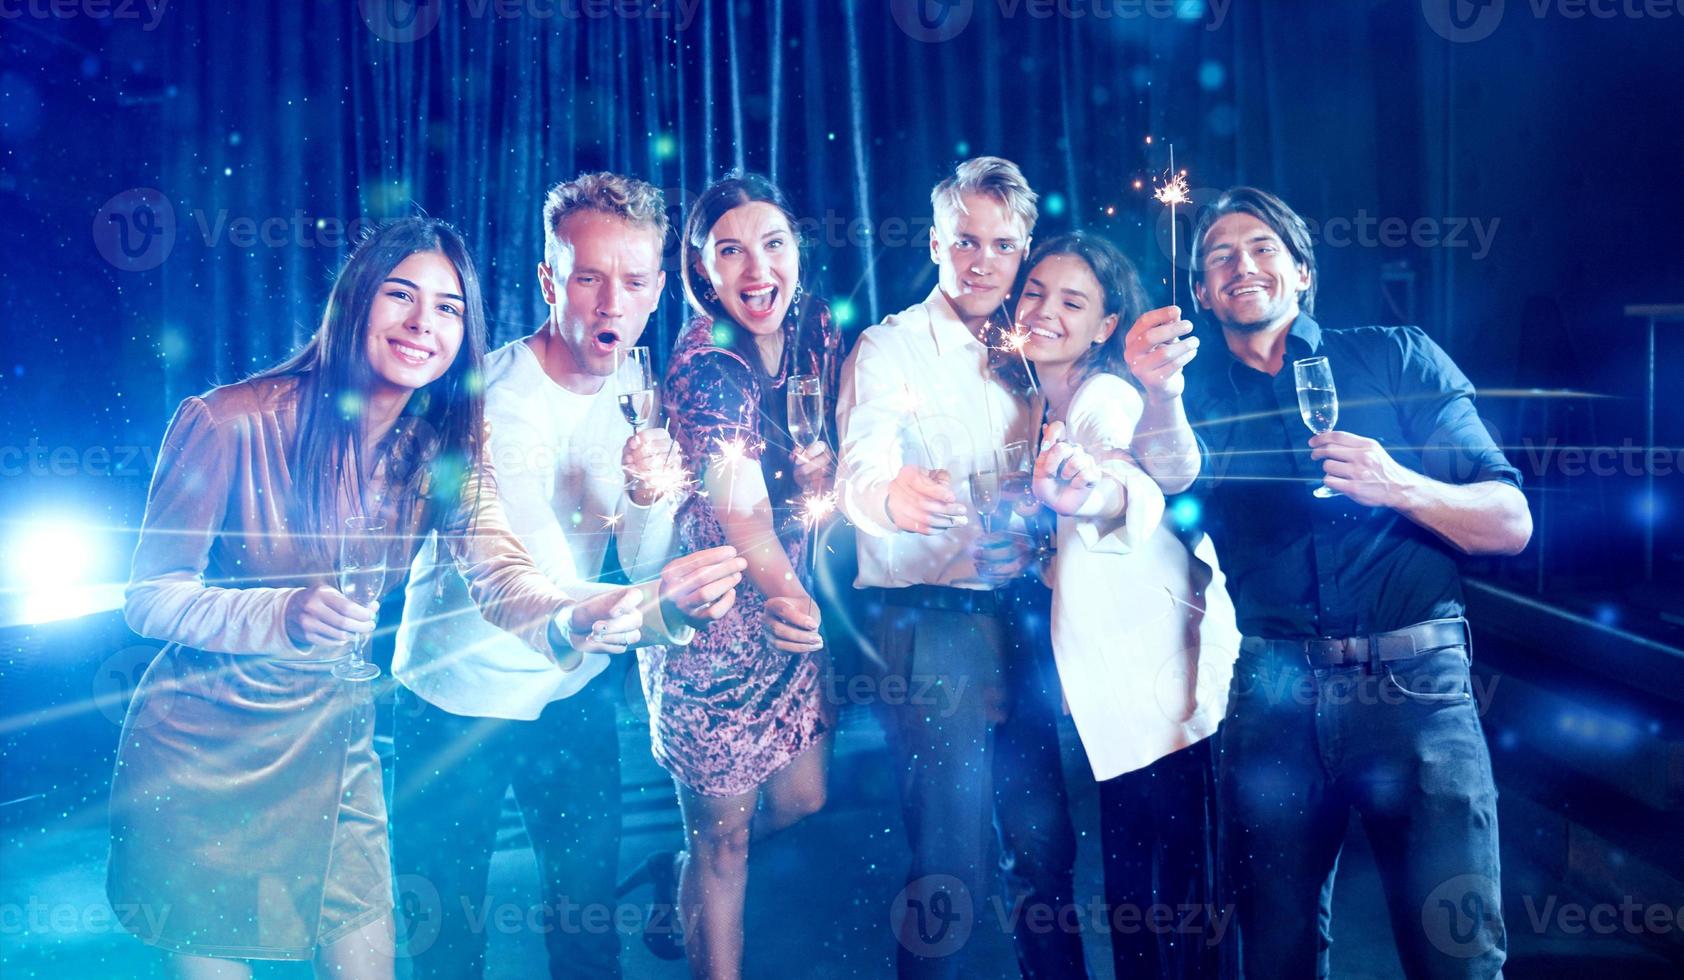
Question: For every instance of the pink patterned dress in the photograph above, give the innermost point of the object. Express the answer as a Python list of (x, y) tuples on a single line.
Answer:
[(729, 710)]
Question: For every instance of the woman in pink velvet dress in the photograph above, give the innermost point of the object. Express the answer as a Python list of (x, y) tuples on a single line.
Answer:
[(246, 809)]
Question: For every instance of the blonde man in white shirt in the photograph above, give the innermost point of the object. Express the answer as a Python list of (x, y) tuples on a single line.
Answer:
[(477, 712), (918, 403)]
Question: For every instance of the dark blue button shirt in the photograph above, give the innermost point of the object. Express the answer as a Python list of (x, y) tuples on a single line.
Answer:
[(1299, 566)]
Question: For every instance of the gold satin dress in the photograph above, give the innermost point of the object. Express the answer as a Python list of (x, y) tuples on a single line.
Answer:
[(247, 817)]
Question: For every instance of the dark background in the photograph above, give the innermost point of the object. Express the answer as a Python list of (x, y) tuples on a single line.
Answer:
[(1558, 136), (1562, 137)]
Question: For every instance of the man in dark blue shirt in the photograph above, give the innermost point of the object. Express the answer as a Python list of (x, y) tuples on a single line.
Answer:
[(1352, 688)]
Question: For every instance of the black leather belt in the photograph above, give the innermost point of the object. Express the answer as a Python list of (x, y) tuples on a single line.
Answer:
[(1344, 651), (983, 602)]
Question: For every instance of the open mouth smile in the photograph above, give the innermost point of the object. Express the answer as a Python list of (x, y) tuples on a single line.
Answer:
[(411, 354)]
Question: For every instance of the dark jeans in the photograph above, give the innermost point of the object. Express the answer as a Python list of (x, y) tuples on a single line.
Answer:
[(975, 741), (1401, 745), (450, 776), (1158, 829)]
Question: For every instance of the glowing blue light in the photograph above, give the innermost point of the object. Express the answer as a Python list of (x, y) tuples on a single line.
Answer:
[(1186, 513), (1054, 204), (1189, 9), (842, 312), (1607, 614), (1212, 75)]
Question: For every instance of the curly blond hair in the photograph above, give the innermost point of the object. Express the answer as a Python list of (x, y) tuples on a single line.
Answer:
[(627, 197)]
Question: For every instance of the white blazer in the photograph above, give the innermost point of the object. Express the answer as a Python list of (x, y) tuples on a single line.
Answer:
[(1143, 631)]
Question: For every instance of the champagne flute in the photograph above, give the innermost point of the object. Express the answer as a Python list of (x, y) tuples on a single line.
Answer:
[(362, 574), (806, 410), (637, 388), (1016, 473), (1318, 402), (986, 488)]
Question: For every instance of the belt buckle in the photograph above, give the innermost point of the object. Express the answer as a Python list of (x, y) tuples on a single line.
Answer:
[(1338, 651), (1325, 651)]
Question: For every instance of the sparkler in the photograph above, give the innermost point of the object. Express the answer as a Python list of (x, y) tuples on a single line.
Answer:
[(1172, 191), (814, 509)]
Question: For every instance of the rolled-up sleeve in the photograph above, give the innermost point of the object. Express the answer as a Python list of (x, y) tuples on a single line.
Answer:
[(167, 596), (1437, 404)]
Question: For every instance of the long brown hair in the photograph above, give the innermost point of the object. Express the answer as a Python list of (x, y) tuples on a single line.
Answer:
[(440, 431)]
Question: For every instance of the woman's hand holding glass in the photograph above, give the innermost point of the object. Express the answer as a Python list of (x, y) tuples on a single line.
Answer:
[(321, 616)]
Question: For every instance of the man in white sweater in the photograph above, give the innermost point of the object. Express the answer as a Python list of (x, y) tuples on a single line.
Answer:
[(478, 711)]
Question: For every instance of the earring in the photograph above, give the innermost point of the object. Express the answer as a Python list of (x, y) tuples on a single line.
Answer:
[(709, 295), (795, 303)]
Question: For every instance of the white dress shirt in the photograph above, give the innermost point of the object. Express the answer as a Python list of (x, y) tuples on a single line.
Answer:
[(917, 391), (1143, 632), (557, 459)]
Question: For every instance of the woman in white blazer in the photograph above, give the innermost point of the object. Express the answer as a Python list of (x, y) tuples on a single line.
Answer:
[(1142, 628)]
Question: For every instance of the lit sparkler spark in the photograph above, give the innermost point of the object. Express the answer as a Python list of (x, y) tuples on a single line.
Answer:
[(610, 521), (668, 480), (815, 507), (1173, 191), (732, 451)]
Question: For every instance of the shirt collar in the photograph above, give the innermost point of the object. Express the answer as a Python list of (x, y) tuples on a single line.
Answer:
[(947, 331), (1303, 339)]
